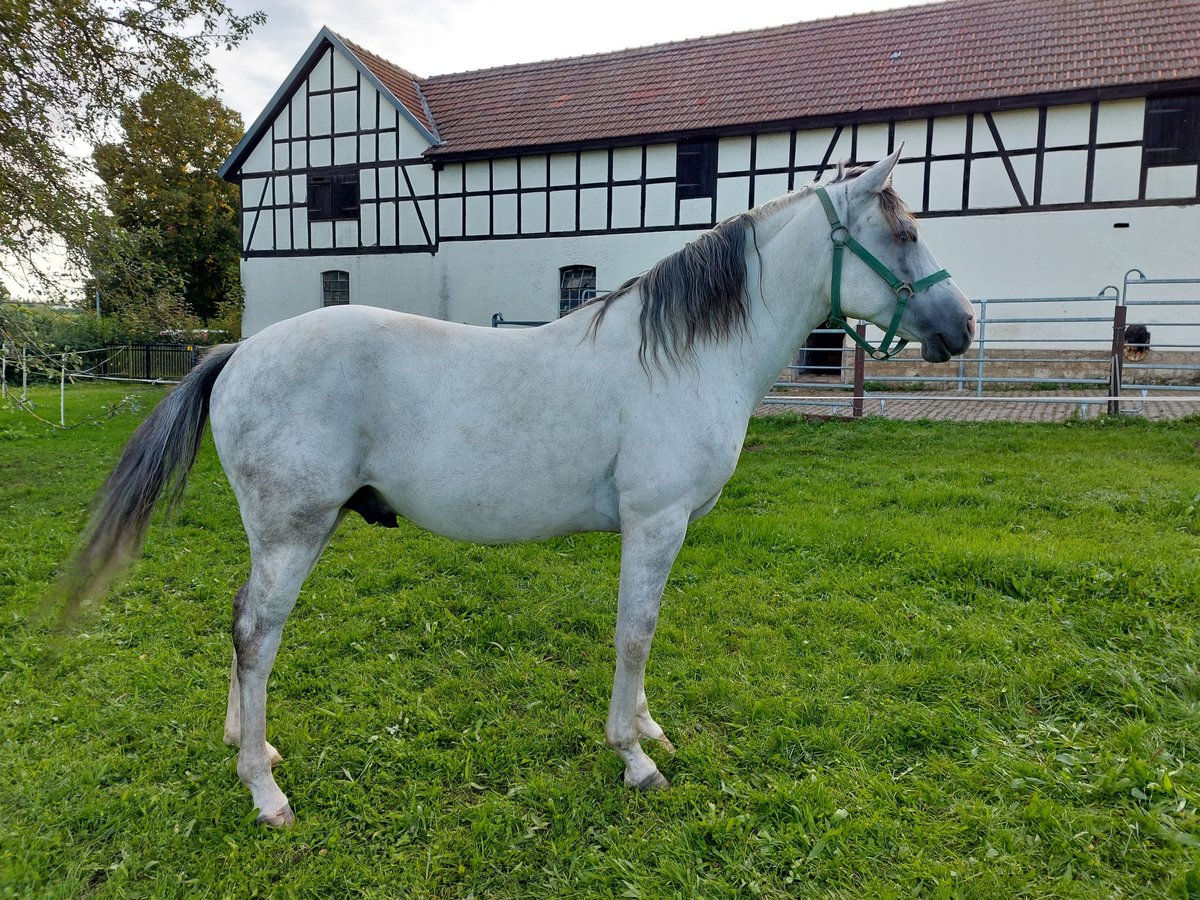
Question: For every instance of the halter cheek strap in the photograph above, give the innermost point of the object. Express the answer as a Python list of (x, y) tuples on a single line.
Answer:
[(903, 290)]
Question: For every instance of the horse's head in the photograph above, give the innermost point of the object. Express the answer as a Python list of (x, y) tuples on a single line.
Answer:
[(884, 273)]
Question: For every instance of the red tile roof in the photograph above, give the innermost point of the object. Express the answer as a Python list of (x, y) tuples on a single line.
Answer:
[(401, 82), (957, 52)]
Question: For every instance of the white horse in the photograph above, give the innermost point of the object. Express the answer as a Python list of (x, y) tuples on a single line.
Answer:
[(628, 415)]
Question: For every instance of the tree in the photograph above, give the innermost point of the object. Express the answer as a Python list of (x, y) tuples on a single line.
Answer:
[(162, 179), (127, 270), (66, 69)]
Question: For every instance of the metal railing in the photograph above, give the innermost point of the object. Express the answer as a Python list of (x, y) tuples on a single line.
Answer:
[(1085, 357), (1145, 373), (1079, 348)]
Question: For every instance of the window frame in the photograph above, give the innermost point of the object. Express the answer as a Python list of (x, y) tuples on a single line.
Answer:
[(332, 289), (571, 297)]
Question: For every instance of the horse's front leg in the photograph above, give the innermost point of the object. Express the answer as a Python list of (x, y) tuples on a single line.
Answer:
[(233, 717), (649, 545), (646, 725)]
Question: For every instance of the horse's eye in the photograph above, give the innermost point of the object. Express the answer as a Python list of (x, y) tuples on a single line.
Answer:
[(908, 237)]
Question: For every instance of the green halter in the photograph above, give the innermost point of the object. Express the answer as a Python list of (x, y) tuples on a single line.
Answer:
[(904, 290)]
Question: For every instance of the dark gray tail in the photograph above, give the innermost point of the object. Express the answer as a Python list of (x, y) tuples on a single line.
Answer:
[(156, 460)]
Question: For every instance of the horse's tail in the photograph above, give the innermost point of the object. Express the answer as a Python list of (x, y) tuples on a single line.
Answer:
[(156, 460)]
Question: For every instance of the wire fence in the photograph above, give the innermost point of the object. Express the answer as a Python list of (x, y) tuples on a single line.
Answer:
[(134, 363)]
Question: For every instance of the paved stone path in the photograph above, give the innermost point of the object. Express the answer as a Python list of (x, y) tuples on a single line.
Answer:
[(992, 407)]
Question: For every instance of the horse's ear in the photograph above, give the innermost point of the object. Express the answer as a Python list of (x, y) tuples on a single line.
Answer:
[(876, 178)]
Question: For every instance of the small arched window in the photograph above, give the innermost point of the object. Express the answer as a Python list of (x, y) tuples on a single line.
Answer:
[(577, 285), (335, 288)]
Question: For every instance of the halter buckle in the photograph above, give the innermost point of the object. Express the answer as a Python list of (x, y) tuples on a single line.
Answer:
[(905, 288), (833, 233)]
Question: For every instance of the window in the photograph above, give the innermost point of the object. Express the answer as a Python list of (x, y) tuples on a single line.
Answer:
[(332, 195), (695, 169), (577, 285), (1172, 131), (335, 288)]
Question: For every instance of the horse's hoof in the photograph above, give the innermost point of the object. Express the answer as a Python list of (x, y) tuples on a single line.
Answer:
[(274, 756), (281, 819), (666, 744), (655, 781)]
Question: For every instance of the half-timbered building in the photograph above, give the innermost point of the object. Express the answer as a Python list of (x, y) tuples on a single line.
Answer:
[(1047, 147)]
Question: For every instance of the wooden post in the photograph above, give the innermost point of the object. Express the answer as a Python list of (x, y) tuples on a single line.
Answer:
[(1116, 366), (62, 394)]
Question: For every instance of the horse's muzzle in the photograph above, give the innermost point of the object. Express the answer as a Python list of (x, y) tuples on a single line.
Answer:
[(950, 341)]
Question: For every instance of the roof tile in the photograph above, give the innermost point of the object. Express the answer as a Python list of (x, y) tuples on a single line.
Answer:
[(955, 52)]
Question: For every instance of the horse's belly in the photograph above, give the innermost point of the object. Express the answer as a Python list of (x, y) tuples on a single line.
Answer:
[(501, 507)]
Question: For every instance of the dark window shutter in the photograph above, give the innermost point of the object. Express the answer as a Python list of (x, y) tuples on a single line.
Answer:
[(1172, 134), (696, 169), (346, 196), (332, 195), (320, 197)]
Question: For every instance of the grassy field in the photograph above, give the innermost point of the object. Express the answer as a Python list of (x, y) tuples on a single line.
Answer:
[(899, 659)]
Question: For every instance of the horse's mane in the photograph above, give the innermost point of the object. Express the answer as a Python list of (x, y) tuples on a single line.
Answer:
[(895, 211), (698, 293)]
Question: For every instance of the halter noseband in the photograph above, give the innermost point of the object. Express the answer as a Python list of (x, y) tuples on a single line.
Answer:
[(904, 290)]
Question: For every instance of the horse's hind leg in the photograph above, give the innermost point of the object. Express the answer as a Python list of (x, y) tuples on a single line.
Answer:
[(278, 569)]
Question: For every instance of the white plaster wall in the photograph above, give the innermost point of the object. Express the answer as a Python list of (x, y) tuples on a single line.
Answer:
[(465, 282), (1068, 253), (279, 288), (520, 278), (1051, 254)]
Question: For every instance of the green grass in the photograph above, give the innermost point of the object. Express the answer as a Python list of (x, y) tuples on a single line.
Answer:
[(899, 659)]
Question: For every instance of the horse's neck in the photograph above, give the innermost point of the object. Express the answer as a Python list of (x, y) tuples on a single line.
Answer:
[(786, 283)]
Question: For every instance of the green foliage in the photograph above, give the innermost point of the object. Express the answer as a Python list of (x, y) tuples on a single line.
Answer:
[(138, 288), (67, 68), (899, 659), (162, 188)]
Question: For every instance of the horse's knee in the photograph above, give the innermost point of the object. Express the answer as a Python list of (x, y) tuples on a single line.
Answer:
[(634, 645)]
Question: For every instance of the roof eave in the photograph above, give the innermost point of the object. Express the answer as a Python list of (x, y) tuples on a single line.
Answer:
[(445, 152), (426, 133), (229, 170)]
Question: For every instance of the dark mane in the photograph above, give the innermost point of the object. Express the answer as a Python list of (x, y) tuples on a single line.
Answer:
[(696, 294), (895, 211)]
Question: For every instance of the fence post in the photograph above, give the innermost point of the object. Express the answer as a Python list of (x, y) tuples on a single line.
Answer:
[(4, 371), (62, 394), (1120, 311), (981, 341), (24, 374), (860, 365)]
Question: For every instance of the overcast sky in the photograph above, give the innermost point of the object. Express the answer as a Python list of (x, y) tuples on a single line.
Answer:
[(437, 37)]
